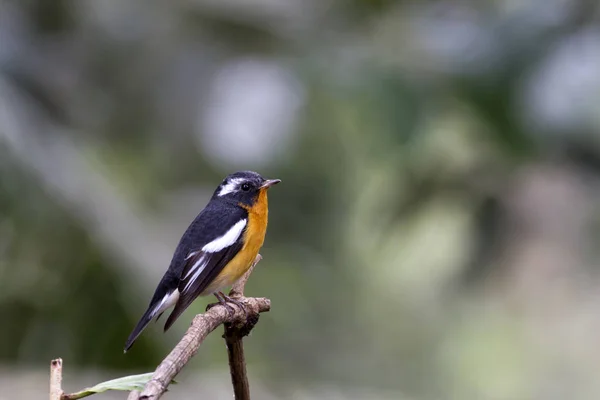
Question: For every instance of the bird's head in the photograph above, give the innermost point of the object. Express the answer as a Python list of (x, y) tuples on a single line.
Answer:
[(243, 187)]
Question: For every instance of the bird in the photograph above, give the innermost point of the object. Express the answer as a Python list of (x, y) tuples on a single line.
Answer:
[(216, 250)]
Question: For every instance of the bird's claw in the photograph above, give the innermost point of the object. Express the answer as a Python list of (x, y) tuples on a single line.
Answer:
[(225, 301), (238, 303), (229, 308)]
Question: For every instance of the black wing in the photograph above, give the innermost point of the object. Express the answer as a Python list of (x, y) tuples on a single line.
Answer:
[(212, 222), (204, 262)]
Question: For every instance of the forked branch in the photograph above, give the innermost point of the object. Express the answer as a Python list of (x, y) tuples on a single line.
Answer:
[(237, 325)]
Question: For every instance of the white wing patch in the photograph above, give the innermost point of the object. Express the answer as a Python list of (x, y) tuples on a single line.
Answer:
[(220, 243), (231, 186), (229, 238)]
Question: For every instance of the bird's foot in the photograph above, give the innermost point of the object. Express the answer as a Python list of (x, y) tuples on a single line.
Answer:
[(238, 303), (222, 302), (226, 302), (244, 327)]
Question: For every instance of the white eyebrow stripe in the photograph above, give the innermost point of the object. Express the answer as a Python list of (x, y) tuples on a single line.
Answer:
[(229, 238), (231, 186)]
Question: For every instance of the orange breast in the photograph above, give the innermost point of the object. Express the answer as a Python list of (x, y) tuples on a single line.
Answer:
[(254, 238)]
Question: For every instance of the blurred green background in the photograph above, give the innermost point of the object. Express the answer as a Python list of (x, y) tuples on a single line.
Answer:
[(436, 232)]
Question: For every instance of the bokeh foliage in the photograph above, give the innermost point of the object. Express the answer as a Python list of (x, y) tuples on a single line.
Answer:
[(436, 216)]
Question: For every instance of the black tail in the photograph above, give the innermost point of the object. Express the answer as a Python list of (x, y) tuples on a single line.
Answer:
[(139, 328), (161, 300)]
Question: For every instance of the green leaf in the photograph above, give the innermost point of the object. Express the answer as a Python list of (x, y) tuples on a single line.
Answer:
[(127, 383)]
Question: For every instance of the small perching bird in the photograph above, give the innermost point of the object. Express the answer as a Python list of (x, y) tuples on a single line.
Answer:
[(215, 251)]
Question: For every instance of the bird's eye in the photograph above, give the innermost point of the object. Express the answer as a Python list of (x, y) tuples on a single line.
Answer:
[(246, 187)]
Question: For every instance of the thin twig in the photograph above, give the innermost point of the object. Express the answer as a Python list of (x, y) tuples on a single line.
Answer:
[(202, 325), (56, 391)]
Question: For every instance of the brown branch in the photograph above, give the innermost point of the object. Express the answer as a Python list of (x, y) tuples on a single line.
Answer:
[(237, 361), (202, 326), (237, 324), (233, 339)]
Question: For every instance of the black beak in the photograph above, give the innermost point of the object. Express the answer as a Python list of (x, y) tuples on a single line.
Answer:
[(269, 182)]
